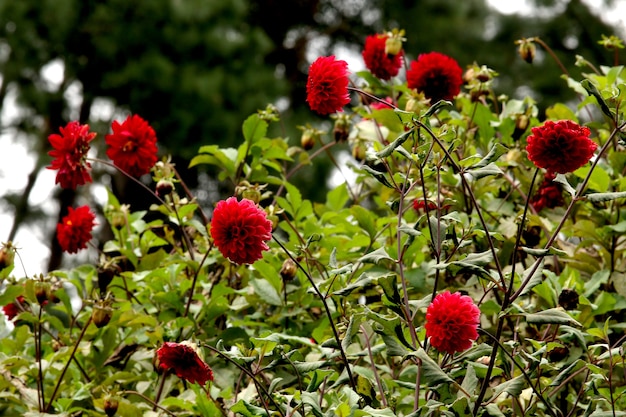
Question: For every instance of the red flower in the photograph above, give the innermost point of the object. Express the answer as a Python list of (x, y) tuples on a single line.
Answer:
[(436, 75), (75, 229), (419, 205), (184, 360), (562, 146), (381, 64), (240, 229), (451, 322), (70, 153), (132, 145), (13, 309), (548, 195), (327, 85)]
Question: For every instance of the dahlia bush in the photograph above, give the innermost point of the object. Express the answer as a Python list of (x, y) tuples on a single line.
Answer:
[(472, 264)]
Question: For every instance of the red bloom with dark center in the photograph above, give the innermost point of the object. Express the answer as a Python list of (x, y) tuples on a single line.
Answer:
[(562, 146), (436, 75), (240, 230), (327, 85), (184, 360), (70, 154), (132, 145), (381, 64), (12, 310), (74, 231), (549, 194), (452, 322)]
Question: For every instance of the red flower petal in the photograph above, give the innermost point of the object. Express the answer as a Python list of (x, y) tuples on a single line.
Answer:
[(327, 85), (452, 322), (382, 65), (436, 75), (132, 146), (74, 231), (183, 359), (240, 230), (562, 146), (69, 151)]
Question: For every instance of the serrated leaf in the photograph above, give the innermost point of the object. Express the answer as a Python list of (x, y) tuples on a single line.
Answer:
[(254, 128), (379, 176), (561, 179), (535, 279), (512, 387), (248, 410)]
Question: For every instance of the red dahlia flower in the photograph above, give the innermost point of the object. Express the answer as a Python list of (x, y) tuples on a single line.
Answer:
[(562, 146), (240, 230), (549, 194), (70, 153), (74, 231), (327, 85), (436, 75), (184, 360), (381, 64), (132, 145), (13, 309), (452, 322)]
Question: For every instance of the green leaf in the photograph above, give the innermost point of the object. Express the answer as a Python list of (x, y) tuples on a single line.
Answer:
[(266, 291), (254, 128), (551, 316), (512, 387), (496, 151), (248, 410), (486, 171), (379, 176), (432, 374), (600, 197), (561, 179), (375, 256), (385, 152), (593, 91)]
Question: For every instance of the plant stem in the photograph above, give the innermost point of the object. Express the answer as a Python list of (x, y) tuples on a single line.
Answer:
[(67, 364), (149, 401), (328, 313)]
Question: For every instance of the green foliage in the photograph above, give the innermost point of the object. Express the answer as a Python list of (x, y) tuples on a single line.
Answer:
[(343, 333)]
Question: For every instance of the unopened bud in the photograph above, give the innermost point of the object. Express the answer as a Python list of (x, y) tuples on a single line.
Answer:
[(359, 152), (110, 406), (164, 187), (307, 140), (527, 50), (288, 270), (252, 194), (101, 314), (7, 256), (393, 45), (41, 291)]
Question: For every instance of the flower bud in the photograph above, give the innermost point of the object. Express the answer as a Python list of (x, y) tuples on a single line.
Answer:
[(110, 406), (307, 140), (288, 270), (341, 129), (164, 187), (568, 299), (393, 45), (359, 152), (41, 291), (7, 255), (527, 50), (106, 273), (101, 314), (252, 194)]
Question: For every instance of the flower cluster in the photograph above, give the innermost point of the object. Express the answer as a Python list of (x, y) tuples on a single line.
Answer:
[(452, 322)]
